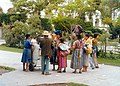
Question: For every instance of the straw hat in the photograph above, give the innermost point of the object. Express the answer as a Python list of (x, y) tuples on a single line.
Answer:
[(45, 33)]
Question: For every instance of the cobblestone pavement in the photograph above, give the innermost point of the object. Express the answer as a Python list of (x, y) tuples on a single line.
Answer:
[(104, 76)]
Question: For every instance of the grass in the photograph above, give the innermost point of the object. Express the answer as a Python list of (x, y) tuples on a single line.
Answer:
[(61, 84), (7, 68), (105, 61), (3, 47), (109, 61), (76, 84)]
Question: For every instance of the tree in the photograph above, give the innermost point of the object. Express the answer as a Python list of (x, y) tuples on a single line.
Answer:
[(18, 17), (10, 18), (103, 39), (34, 23), (5, 18), (107, 8), (32, 6), (46, 24), (117, 28), (14, 34)]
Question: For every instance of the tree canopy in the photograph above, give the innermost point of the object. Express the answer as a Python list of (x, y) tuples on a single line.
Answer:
[(26, 16)]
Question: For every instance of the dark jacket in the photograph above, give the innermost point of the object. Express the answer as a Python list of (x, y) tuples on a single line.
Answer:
[(45, 44)]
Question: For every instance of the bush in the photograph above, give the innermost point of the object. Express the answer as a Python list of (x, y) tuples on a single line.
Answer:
[(109, 55), (14, 36)]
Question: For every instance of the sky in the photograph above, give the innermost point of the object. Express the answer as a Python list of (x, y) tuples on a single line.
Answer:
[(5, 4)]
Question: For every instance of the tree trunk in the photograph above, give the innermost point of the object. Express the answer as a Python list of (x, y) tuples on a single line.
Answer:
[(105, 46)]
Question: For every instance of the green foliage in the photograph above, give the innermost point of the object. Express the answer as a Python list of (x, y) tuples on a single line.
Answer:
[(8, 18), (67, 24), (18, 26), (34, 23), (46, 24), (18, 17), (108, 6), (5, 18), (14, 36), (29, 7), (107, 20), (94, 30), (108, 55), (117, 26), (62, 23), (115, 31)]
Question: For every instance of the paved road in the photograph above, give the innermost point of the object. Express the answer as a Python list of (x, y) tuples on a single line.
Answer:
[(104, 76)]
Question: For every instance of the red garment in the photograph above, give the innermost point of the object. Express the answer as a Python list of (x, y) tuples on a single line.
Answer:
[(62, 60)]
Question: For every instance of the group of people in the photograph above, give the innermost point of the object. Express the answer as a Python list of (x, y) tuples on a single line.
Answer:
[(55, 49)]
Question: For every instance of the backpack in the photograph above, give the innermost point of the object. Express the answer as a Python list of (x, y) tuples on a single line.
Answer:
[(31, 67)]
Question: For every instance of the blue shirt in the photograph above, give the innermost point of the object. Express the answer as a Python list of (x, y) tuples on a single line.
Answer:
[(27, 44)]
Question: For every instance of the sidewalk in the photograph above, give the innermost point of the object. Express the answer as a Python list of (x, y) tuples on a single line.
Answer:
[(104, 76)]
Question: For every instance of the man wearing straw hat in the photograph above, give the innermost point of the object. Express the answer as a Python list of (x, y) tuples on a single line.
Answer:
[(46, 52)]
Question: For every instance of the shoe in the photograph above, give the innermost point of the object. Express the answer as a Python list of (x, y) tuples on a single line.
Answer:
[(53, 69), (59, 71), (23, 69), (64, 71), (42, 73), (80, 72), (47, 73), (34, 65), (96, 66), (93, 68)]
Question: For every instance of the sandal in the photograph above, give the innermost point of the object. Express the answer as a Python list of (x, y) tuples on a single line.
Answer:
[(53, 69), (74, 72), (59, 71)]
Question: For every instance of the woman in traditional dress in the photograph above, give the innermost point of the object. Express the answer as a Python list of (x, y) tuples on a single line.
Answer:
[(62, 47), (76, 56), (55, 54), (26, 56)]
